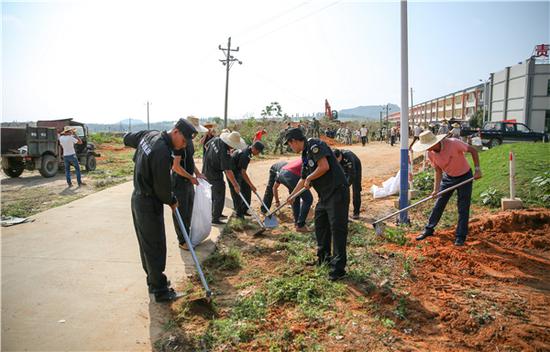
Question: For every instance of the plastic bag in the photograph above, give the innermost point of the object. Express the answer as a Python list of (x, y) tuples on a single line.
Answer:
[(201, 217), (389, 187)]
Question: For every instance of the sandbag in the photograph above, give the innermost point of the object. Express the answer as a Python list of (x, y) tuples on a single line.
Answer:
[(389, 187), (201, 217)]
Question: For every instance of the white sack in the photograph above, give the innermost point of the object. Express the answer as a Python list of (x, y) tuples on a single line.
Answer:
[(201, 218), (389, 187)]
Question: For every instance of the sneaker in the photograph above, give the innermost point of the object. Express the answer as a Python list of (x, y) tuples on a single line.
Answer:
[(166, 296), (218, 222), (336, 277), (459, 242), (223, 216), (355, 217), (168, 284), (81, 184), (423, 235), (303, 229), (184, 246), (69, 185)]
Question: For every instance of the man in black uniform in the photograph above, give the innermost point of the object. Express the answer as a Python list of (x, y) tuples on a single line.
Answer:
[(239, 161), (273, 173), (321, 170), (217, 161), (182, 182), (352, 169), (152, 189)]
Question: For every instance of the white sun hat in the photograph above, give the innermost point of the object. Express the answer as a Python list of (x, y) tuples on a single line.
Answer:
[(196, 123), (427, 140), (233, 139)]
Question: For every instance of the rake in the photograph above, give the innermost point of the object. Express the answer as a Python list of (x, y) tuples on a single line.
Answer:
[(379, 224)]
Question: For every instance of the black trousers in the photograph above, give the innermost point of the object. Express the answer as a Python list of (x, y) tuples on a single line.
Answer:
[(268, 194), (215, 178), (331, 230), (238, 204), (356, 188), (148, 215), (185, 193)]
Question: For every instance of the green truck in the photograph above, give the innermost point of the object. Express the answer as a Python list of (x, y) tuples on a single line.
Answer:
[(37, 148)]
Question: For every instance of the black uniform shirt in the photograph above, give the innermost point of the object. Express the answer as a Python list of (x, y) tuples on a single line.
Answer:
[(348, 164), (240, 159), (153, 164), (314, 150), (187, 162), (217, 155)]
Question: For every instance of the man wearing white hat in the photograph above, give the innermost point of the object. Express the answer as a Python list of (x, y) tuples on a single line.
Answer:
[(217, 161), (67, 140), (451, 168)]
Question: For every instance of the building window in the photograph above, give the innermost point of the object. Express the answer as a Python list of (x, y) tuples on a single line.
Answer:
[(548, 88)]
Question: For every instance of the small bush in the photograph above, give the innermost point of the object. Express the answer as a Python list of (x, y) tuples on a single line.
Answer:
[(228, 260), (491, 197), (395, 235), (424, 181), (540, 189)]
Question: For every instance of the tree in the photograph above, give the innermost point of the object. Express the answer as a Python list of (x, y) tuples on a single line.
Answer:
[(477, 119), (272, 110)]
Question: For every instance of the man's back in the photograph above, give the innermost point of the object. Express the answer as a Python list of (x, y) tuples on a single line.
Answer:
[(67, 143)]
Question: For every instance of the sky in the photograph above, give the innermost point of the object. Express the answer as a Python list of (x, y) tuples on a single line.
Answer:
[(101, 61)]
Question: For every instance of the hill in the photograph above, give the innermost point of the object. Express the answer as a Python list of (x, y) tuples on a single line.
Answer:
[(368, 111)]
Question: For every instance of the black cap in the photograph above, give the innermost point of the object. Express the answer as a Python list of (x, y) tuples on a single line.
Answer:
[(186, 128), (259, 146), (294, 133)]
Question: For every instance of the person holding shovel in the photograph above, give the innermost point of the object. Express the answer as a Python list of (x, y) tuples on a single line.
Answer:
[(152, 189), (289, 176), (273, 174), (321, 170), (451, 167), (240, 160), (185, 175), (217, 161)]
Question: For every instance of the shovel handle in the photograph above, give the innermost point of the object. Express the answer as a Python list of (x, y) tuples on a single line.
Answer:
[(262, 201), (253, 212), (190, 246), (423, 200), (282, 205)]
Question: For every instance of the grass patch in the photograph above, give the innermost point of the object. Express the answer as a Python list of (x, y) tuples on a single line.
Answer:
[(395, 235), (34, 200), (230, 259)]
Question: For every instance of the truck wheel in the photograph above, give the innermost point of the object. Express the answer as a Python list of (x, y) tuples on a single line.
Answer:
[(14, 169), (49, 166), (90, 163), (494, 142)]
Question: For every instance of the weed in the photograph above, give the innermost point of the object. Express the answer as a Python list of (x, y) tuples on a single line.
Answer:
[(401, 309), (408, 264), (396, 235), (226, 260), (387, 323), (250, 308)]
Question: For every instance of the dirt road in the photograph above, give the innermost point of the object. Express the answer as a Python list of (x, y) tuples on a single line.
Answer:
[(72, 279)]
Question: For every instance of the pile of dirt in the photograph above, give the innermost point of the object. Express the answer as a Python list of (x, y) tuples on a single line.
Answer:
[(331, 142), (493, 293)]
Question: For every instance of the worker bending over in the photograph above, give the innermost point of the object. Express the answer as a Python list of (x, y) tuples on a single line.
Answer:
[(239, 161), (352, 169)]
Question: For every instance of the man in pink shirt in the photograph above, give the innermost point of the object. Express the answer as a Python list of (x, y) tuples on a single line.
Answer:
[(451, 167)]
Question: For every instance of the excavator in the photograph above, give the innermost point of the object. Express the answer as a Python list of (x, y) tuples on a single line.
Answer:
[(329, 113)]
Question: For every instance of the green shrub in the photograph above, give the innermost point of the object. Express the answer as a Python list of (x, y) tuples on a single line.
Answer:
[(540, 189), (424, 181), (227, 260), (491, 197)]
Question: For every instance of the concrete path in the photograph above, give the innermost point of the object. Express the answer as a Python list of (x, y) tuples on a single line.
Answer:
[(72, 279)]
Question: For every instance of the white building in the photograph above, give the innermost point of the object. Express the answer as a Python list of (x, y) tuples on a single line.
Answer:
[(521, 93)]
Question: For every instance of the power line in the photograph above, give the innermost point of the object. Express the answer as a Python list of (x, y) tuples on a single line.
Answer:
[(292, 22)]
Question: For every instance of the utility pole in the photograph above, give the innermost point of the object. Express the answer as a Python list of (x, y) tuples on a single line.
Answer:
[(387, 114), (404, 151), (227, 62), (412, 104), (148, 126)]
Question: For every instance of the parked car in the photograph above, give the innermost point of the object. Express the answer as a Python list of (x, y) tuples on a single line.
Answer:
[(38, 147), (497, 132)]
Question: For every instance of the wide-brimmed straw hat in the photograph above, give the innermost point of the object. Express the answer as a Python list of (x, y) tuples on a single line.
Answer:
[(196, 123), (210, 125), (456, 124), (427, 140), (233, 139), (68, 129)]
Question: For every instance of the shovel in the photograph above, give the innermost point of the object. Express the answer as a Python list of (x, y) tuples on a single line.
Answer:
[(269, 221), (263, 227), (379, 224), (197, 264), (282, 205)]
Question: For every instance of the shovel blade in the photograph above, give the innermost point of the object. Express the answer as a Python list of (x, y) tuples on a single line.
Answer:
[(271, 222)]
